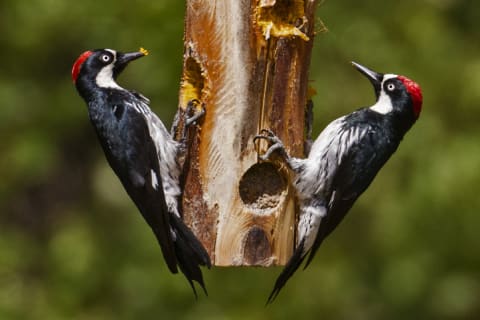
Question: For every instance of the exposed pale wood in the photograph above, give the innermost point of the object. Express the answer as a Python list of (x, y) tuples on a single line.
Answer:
[(247, 61)]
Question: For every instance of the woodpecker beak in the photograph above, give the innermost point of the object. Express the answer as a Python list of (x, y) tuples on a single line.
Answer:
[(374, 77), (123, 59)]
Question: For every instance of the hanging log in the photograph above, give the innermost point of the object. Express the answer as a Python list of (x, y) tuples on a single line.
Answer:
[(247, 62)]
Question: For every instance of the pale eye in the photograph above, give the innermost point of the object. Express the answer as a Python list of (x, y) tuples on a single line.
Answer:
[(391, 87), (105, 58)]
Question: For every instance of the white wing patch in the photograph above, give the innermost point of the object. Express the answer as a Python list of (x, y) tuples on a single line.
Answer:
[(310, 219), (142, 108), (167, 151), (319, 170), (316, 175), (154, 179)]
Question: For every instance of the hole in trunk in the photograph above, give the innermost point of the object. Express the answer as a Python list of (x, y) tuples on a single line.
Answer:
[(263, 187), (257, 248), (193, 82)]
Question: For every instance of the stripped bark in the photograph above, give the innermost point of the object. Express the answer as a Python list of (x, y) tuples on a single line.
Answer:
[(247, 61)]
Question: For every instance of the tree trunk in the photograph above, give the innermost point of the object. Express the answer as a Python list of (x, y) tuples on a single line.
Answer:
[(247, 61)]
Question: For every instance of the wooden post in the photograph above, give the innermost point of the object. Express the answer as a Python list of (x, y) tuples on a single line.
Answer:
[(247, 61)]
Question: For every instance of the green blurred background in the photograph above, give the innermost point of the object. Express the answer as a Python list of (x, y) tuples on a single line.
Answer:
[(72, 245)]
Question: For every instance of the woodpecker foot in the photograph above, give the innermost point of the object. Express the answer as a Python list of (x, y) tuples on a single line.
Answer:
[(191, 106), (192, 116), (276, 144)]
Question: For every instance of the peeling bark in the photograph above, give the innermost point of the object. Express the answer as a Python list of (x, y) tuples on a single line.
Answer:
[(247, 61)]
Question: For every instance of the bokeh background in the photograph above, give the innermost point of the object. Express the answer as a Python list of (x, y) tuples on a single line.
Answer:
[(72, 245)]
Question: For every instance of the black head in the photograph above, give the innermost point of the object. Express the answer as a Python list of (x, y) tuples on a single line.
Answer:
[(395, 94), (101, 67)]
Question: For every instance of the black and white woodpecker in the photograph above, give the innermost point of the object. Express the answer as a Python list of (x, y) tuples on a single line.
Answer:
[(142, 154), (344, 160)]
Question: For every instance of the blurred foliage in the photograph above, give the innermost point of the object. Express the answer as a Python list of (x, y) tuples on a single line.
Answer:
[(72, 245)]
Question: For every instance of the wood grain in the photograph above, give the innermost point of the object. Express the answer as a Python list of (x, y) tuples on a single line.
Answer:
[(247, 61)]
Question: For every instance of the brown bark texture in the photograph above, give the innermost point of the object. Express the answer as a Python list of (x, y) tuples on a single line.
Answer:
[(247, 62)]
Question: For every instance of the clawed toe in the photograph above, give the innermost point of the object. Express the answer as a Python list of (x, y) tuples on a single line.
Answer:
[(191, 107), (191, 116), (268, 132), (275, 144), (268, 135), (263, 157), (258, 137)]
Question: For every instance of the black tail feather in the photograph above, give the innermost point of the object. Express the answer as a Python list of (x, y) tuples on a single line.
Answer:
[(190, 253), (292, 266), (189, 268)]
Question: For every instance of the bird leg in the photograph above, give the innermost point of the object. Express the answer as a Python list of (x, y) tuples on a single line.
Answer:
[(190, 119), (276, 145)]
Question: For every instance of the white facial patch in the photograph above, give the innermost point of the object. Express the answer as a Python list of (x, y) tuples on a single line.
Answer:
[(388, 76), (112, 52), (104, 78), (384, 103)]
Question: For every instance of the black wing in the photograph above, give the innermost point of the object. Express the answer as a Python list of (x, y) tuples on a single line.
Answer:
[(189, 251), (182, 248), (355, 150), (357, 168), (131, 153)]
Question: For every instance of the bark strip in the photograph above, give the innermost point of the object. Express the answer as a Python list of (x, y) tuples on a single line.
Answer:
[(247, 61)]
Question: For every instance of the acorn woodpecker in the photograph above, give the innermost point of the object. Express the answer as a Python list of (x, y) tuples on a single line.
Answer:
[(142, 154), (344, 160)]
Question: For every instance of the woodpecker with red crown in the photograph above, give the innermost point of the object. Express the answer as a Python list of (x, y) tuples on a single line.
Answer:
[(344, 160), (142, 153)]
